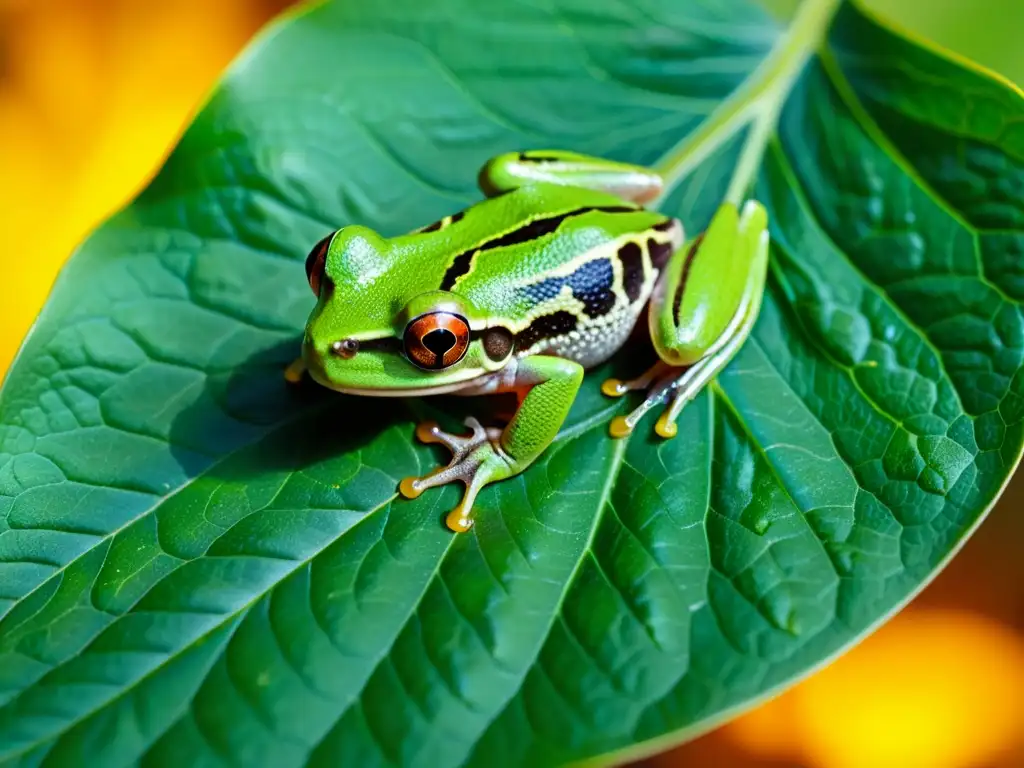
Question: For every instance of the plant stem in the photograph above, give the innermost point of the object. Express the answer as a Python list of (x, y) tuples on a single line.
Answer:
[(758, 101)]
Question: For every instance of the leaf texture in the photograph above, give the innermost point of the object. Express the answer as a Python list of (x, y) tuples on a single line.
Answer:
[(200, 565)]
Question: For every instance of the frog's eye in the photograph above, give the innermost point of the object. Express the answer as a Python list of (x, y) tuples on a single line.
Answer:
[(436, 340), (315, 263)]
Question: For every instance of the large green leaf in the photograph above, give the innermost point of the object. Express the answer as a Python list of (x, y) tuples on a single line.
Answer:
[(201, 566)]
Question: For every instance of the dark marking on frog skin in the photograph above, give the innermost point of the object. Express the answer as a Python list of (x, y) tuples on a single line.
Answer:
[(677, 300), (532, 230), (458, 268), (632, 259), (440, 224), (546, 327), (591, 283), (525, 158), (660, 253), (665, 226)]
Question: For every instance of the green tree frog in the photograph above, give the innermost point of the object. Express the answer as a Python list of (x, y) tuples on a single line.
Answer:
[(520, 293)]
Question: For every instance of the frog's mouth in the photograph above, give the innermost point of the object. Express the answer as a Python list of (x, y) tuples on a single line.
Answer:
[(316, 366), (316, 371), (441, 389)]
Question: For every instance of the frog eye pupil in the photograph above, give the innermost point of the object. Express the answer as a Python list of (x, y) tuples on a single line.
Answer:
[(439, 341)]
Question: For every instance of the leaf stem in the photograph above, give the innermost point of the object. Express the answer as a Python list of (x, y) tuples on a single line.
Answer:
[(758, 101)]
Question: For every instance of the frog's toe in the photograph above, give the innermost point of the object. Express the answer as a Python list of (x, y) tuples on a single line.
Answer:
[(476, 461), (666, 427), (488, 464), (614, 387), (459, 445), (482, 466), (618, 387), (623, 426), (674, 386), (459, 470)]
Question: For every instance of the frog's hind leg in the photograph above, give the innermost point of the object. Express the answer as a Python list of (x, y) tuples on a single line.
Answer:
[(555, 166), (656, 381), (696, 344), (678, 386)]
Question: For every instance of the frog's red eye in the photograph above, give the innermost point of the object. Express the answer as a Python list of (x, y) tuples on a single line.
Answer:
[(436, 340), (315, 263)]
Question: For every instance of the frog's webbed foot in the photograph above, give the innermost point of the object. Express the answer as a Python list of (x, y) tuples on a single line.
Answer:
[(477, 459), (666, 384), (697, 320)]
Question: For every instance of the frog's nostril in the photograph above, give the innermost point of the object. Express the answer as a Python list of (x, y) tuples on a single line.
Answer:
[(345, 348)]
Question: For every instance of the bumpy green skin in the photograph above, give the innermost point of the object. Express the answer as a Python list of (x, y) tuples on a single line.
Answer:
[(557, 264), (370, 280), (544, 408)]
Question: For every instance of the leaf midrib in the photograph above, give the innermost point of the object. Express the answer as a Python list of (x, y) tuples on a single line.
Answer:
[(874, 131)]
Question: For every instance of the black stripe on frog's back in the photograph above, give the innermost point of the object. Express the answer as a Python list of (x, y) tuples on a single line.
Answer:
[(592, 284), (545, 327), (531, 230), (632, 259), (525, 158), (659, 252)]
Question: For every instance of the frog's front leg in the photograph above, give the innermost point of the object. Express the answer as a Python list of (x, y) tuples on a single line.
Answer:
[(703, 309), (295, 371), (548, 386), (569, 169)]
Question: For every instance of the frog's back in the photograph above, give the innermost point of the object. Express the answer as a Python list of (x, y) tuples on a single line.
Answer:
[(565, 269)]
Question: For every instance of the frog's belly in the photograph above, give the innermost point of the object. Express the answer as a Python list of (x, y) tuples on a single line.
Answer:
[(592, 343)]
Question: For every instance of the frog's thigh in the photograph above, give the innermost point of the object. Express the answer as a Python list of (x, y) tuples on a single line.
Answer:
[(698, 333), (516, 169), (704, 293)]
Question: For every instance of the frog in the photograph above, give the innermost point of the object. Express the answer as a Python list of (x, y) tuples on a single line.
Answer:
[(545, 277)]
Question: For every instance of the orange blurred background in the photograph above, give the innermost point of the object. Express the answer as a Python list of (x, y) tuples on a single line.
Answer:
[(94, 92)]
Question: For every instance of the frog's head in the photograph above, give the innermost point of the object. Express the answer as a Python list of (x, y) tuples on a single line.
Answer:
[(375, 331)]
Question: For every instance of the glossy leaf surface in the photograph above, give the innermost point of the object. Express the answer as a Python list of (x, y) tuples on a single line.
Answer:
[(200, 565)]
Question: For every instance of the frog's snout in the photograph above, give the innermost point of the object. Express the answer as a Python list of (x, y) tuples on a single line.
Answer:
[(344, 348)]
